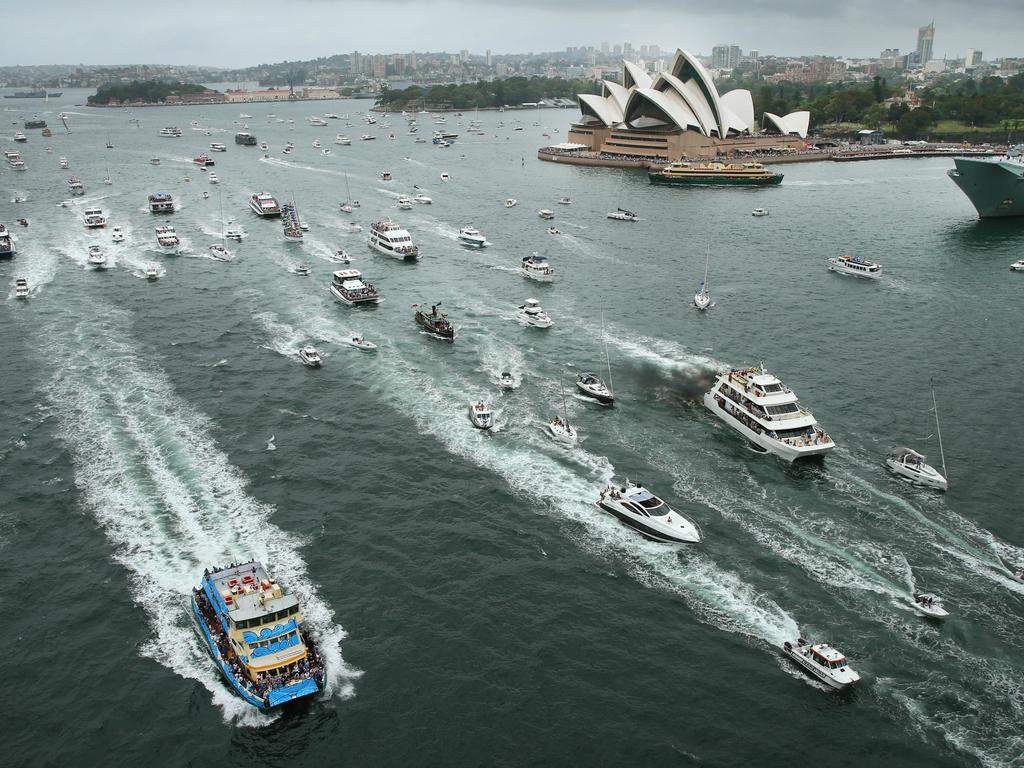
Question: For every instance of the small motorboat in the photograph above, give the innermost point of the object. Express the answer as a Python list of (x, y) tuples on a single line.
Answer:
[(117, 235), (23, 222), (21, 288), (930, 605), (152, 272), (1018, 265), (360, 343), (823, 662), (911, 465), (446, 176), (96, 258), (759, 212), (302, 269), (591, 385), (480, 414), (564, 201), (310, 356), (533, 314), (154, 161), (506, 380), (19, 199), (385, 176), (554, 231), (341, 257), (404, 203), (651, 517), (546, 213), (422, 199), (471, 236), (511, 203), (220, 253), (234, 233), (623, 215), (213, 178)]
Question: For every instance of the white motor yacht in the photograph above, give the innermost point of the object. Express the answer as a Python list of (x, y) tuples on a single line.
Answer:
[(591, 385), (220, 253), (823, 662), (213, 178), (389, 238), (480, 414), (152, 272), (317, 144), (96, 258), (564, 201), (623, 215), (367, 137), (360, 343), (21, 288), (117, 235), (511, 203), (545, 213), (94, 218), (302, 269), (1018, 265), (506, 380), (422, 199), (930, 605), (404, 203), (536, 267), (641, 510), (759, 212), (343, 140), (471, 236), (64, 163), (446, 176), (385, 176), (767, 413), (167, 239), (347, 286), (910, 464), (851, 265), (533, 314), (310, 356)]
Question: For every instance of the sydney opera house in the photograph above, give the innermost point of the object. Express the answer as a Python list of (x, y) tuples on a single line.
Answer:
[(678, 114)]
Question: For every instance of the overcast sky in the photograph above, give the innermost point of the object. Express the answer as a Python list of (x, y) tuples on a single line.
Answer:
[(237, 33)]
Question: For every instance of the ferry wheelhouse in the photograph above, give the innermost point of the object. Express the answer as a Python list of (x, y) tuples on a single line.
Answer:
[(263, 204), (767, 413), (687, 174), (348, 286), (851, 265), (390, 239), (255, 633), (161, 202)]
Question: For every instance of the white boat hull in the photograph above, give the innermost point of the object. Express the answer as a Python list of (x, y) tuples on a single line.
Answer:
[(781, 449), (701, 300), (928, 476), (814, 670), (839, 269)]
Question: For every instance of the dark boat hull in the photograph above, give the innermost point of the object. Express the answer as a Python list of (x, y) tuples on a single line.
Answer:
[(715, 181)]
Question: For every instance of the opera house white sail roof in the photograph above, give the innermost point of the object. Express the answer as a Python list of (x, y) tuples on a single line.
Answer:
[(684, 98)]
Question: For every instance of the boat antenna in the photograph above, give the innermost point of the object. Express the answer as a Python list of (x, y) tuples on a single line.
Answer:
[(607, 360), (938, 432)]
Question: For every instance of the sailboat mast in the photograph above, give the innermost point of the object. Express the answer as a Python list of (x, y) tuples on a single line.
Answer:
[(220, 200), (707, 263), (607, 360), (565, 408), (938, 432)]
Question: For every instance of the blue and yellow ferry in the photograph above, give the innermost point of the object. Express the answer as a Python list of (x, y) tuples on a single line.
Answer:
[(254, 632)]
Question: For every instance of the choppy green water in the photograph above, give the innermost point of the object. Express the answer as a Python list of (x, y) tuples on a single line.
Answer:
[(474, 606)]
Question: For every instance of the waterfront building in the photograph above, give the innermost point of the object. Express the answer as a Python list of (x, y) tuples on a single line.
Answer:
[(678, 114)]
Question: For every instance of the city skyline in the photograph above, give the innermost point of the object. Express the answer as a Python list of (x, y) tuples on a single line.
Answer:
[(161, 34)]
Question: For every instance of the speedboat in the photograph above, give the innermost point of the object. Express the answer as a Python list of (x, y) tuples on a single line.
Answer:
[(385, 176), (347, 286), (96, 258), (435, 323), (759, 212), (341, 257), (302, 269), (404, 203), (471, 236), (1018, 265), (117, 235), (562, 431), (564, 201), (480, 414), (554, 231), (930, 605), (623, 215), (532, 314), (152, 272), (506, 380), (536, 267), (823, 662), (21, 288), (591, 385), (154, 161), (367, 137), (641, 510), (269, 658), (851, 265), (316, 144), (206, 195), (545, 213), (360, 343), (220, 253), (446, 176), (767, 413), (422, 199), (511, 203), (309, 355), (911, 465)]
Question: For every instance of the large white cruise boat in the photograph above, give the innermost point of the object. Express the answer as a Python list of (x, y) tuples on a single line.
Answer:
[(348, 287), (390, 239), (94, 218), (264, 204), (167, 239), (767, 413)]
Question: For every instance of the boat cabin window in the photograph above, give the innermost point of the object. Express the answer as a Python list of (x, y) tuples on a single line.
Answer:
[(651, 503), (635, 508), (775, 410), (771, 387)]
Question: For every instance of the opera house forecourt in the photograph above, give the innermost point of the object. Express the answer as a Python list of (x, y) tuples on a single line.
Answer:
[(674, 115)]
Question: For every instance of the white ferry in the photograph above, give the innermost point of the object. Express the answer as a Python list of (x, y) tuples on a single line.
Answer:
[(536, 267), (348, 287), (216, 146), (171, 132), (75, 186), (255, 634), (94, 218), (161, 202), (167, 239), (823, 662), (767, 413), (390, 239), (641, 510), (7, 249), (342, 140), (851, 265), (263, 204)]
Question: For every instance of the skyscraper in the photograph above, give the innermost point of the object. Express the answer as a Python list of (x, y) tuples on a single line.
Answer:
[(973, 58), (925, 38), (725, 56), (605, 48), (487, 57)]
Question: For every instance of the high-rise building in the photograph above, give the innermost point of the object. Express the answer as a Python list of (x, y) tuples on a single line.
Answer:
[(643, 51), (380, 65), (627, 51), (617, 50), (464, 56), (605, 48), (487, 57), (754, 55), (655, 51), (413, 61), (890, 58), (355, 63), (925, 39), (725, 56), (973, 58)]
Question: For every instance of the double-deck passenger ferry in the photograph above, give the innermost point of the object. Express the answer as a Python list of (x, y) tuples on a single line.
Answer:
[(264, 204), (390, 239), (161, 202), (767, 413), (254, 632), (714, 173)]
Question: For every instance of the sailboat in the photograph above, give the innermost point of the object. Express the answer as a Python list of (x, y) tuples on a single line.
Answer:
[(559, 427), (590, 383), (107, 179), (291, 223), (911, 465), (347, 206), (702, 299), (218, 251)]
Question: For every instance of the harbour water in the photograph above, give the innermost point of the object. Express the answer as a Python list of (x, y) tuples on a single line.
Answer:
[(473, 606)]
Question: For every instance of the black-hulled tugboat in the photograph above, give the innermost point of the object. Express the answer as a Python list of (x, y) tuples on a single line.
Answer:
[(254, 632), (435, 323)]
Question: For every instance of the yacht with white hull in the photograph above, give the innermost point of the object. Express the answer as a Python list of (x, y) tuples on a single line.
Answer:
[(389, 238), (348, 287), (641, 510), (471, 236), (532, 313), (481, 416), (823, 662), (767, 413)]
